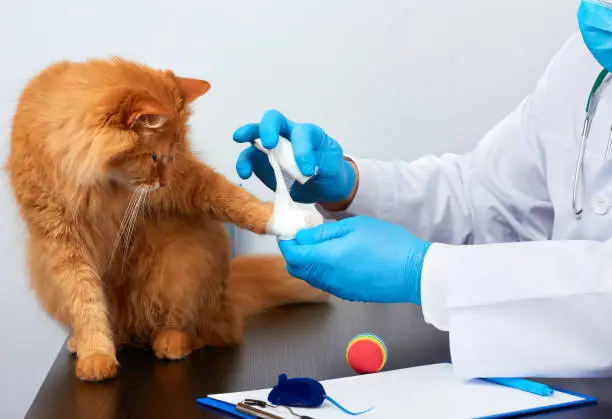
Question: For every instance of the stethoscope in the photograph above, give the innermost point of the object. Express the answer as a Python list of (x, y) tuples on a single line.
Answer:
[(591, 107)]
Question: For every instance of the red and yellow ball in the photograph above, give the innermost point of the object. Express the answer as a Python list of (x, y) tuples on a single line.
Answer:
[(366, 353)]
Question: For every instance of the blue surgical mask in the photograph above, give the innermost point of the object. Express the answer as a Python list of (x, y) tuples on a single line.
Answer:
[(595, 22)]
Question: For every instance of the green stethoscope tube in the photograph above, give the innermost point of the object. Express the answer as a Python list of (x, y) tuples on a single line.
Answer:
[(591, 106)]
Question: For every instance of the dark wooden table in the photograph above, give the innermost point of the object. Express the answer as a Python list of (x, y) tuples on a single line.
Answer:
[(300, 340)]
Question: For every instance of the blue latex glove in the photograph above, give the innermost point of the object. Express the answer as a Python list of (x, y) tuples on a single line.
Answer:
[(315, 154), (359, 259)]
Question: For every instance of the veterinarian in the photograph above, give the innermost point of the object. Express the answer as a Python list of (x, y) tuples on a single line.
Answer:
[(507, 247)]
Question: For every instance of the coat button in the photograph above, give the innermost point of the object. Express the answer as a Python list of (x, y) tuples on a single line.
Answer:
[(601, 205)]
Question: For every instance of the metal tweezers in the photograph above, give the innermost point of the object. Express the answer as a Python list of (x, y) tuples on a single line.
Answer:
[(255, 408)]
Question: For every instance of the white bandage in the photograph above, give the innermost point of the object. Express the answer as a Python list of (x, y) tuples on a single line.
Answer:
[(288, 217)]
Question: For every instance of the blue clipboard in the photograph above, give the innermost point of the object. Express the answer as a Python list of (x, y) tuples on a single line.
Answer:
[(230, 409), (224, 407), (586, 400)]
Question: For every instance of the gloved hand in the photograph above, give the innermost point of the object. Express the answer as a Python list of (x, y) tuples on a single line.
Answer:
[(359, 259), (315, 154)]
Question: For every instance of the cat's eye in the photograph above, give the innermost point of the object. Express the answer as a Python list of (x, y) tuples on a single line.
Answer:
[(152, 121), (154, 157)]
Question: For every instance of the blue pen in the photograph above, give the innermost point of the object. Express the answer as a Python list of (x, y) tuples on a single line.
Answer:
[(524, 385)]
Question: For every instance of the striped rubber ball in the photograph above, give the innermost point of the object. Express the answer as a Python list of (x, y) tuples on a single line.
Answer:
[(366, 353)]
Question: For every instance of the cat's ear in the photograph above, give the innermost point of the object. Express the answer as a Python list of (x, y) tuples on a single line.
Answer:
[(191, 89), (148, 109)]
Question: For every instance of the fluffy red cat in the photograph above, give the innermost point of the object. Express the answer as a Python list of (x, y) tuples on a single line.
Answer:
[(126, 241)]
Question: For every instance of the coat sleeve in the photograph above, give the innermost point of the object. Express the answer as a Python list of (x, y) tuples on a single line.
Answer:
[(494, 193), (523, 309)]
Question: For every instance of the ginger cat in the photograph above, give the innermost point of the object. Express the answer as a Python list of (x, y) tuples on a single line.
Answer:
[(126, 241)]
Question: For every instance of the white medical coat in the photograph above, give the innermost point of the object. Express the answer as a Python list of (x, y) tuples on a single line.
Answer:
[(531, 293)]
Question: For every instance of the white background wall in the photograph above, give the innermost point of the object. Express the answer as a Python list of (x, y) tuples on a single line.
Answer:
[(387, 79)]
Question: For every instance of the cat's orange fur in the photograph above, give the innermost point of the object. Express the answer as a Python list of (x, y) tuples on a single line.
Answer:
[(126, 241)]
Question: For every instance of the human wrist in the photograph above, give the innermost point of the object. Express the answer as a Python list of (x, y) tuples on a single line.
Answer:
[(413, 271), (352, 182), (434, 283)]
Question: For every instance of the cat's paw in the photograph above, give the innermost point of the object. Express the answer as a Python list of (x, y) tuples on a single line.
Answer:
[(71, 344), (97, 367), (172, 344)]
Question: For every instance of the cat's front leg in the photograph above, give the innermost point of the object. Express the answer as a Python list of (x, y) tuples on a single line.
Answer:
[(231, 203), (82, 299), (211, 193)]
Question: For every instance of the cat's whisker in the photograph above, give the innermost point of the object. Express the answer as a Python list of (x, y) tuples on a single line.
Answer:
[(132, 224), (126, 216), (131, 217), (125, 222), (128, 232), (122, 226)]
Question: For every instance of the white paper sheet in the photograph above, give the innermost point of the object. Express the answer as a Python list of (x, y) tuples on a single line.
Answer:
[(431, 391)]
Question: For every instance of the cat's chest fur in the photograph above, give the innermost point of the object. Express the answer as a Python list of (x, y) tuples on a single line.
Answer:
[(108, 218)]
